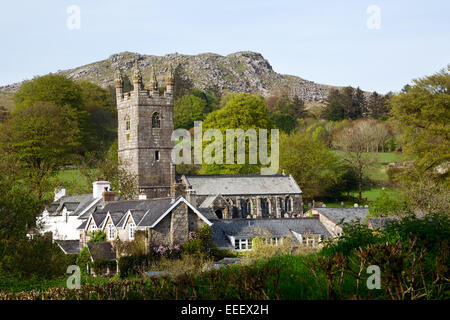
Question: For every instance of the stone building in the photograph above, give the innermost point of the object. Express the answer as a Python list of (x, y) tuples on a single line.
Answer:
[(245, 196), (145, 126), (144, 137)]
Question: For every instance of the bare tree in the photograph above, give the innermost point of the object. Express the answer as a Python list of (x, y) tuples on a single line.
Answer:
[(354, 142)]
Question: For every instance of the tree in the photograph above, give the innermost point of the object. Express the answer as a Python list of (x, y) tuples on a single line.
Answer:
[(243, 111), (40, 137), (312, 164), (376, 106), (210, 98), (113, 170), (101, 107), (354, 142), (187, 109), (18, 209), (422, 112), (334, 108), (284, 122)]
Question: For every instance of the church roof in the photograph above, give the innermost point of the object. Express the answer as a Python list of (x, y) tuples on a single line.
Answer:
[(242, 184)]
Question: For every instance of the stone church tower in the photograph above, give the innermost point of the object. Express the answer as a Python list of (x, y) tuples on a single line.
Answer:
[(144, 132)]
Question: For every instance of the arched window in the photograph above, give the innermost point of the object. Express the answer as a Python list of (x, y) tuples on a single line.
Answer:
[(245, 208), (265, 207), (156, 120), (287, 204)]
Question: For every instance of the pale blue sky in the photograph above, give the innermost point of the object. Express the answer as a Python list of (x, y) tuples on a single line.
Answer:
[(323, 41)]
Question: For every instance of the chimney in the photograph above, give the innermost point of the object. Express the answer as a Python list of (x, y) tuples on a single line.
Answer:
[(60, 192), (107, 196), (99, 186)]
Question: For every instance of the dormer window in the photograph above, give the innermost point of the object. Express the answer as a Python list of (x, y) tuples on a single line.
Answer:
[(156, 120)]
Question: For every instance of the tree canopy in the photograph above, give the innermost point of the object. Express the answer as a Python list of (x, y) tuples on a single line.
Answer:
[(422, 111)]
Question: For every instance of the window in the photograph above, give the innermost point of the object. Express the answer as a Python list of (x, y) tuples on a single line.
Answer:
[(245, 208), (127, 123), (93, 228), (287, 204), (156, 155), (131, 231), (265, 209), (111, 231), (243, 244), (156, 120)]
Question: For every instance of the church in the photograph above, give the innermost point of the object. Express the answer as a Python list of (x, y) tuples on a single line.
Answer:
[(145, 145), (169, 207)]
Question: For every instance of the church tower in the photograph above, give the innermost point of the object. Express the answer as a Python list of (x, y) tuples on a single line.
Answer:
[(144, 132)]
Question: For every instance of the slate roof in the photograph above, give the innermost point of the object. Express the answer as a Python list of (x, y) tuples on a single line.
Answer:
[(69, 246), (242, 184), (157, 208), (208, 201), (208, 213), (346, 214), (53, 207), (101, 250), (82, 225), (144, 212), (74, 204), (247, 228)]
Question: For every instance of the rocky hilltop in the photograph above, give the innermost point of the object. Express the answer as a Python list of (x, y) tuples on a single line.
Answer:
[(237, 72)]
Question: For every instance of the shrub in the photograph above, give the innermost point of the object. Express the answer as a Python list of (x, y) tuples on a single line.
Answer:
[(97, 236), (32, 257), (83, 259)]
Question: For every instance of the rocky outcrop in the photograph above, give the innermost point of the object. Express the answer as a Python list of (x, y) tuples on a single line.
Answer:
[(244, 71)]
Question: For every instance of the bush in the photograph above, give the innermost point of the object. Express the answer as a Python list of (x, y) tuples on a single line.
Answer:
[(33, 257), (97, 236), (199, 242), (83, 259), (100, 266)]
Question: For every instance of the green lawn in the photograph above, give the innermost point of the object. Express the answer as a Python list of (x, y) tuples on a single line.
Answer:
[(374, 193), (73, 181)]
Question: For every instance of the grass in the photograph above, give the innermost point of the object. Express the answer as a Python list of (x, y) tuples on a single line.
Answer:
[(14, 284), (374, 193), (73, 181)]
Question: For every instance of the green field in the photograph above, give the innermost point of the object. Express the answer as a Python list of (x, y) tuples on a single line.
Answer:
[(73, 181)]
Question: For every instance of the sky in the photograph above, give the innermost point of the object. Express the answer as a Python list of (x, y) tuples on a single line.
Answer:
[(376, 45)]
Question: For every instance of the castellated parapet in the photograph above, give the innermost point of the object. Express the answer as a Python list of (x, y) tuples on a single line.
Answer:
[(145, 126)]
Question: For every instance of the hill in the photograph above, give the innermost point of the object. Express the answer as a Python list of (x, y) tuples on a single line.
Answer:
[(237, 72)]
